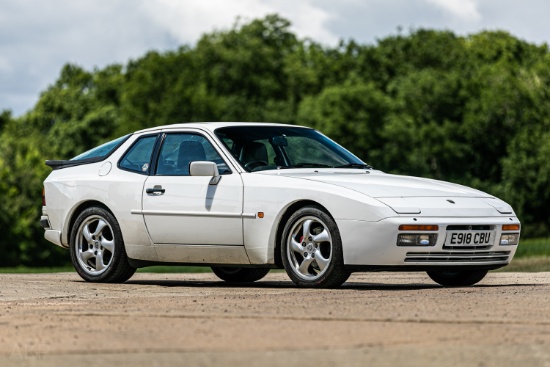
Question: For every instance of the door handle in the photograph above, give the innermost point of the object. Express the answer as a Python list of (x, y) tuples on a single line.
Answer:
[(157, 190)]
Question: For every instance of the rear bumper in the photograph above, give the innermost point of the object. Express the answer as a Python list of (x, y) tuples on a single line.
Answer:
[(52, 235), (373, 245), (45, 222)]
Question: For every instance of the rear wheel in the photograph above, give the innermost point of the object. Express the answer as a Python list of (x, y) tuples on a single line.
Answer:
[(312, 249), (97, 248), (457, 278), (239, 275)]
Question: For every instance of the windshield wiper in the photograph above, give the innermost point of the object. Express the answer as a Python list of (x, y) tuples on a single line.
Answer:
[(308, 165), (355, 165)]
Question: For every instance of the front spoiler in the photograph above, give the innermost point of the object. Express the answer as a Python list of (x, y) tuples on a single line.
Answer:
[(395, 268)]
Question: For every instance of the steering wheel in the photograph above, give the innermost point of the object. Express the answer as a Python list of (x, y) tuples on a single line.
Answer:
[(251, 165)]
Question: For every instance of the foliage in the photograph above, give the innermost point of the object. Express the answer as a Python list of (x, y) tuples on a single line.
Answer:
[(473, 110)]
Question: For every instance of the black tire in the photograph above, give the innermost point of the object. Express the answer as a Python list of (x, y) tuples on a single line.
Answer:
[(457, 278), (311, 249), (97, 248), (239, 275)]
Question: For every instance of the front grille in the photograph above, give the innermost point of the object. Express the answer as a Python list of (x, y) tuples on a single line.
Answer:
[(471, 227), (457, 256), (484, 247)]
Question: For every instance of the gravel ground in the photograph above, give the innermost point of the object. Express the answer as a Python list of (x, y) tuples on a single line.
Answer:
[(375, 319)]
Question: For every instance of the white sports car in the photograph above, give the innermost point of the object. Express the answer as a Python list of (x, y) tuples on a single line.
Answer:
[(244, 198)]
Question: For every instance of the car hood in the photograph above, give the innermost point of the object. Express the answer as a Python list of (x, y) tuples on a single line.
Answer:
[(409, 195), (377, 184)]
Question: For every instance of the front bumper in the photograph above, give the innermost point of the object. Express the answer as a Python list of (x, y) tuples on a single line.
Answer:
[(374, 245)]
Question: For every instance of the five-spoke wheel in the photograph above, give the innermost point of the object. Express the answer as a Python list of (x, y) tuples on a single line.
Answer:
[(95, 245), (97, 248), (312, 249)]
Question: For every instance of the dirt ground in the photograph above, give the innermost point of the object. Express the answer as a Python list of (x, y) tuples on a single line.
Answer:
[(375, 319)]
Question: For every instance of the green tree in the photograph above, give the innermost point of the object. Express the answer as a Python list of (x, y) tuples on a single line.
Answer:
[(352, 114), (473, 110)]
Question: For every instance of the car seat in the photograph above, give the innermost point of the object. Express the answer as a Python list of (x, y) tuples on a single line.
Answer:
[(254, 152), (189, 151)]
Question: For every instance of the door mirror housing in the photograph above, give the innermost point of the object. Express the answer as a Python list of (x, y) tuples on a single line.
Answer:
[(205, 168)]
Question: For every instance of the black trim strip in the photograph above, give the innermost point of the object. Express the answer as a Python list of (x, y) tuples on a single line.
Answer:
[(156, 154), (68, 163), (45, 223)]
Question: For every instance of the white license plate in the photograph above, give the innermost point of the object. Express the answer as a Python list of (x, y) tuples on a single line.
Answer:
[(470, 238)]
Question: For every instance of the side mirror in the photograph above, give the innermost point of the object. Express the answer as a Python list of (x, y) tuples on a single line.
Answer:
[(205, 168)]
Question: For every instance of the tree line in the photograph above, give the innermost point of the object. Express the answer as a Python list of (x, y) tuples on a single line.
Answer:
[(473, 110)]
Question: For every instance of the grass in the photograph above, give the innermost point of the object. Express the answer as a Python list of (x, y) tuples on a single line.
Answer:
[(532, 255), (70, 269), (27, 269), (531, 264), (537, 247)]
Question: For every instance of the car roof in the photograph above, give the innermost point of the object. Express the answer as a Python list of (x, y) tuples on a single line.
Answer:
[(211, 126)]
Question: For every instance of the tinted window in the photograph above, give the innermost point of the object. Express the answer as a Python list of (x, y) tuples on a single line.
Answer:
[(138, 157), (179, 150), (101, 151)]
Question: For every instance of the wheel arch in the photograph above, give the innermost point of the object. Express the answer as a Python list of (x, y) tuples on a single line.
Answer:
[(291, 209), (77, 211)]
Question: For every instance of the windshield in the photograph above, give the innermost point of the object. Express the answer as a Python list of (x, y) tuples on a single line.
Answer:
[(278, 147)]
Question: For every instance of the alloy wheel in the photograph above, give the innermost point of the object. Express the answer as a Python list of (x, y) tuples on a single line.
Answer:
[(95, 245)]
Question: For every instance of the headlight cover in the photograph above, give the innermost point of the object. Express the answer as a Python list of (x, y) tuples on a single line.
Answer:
[(509, 239), (417, 239)]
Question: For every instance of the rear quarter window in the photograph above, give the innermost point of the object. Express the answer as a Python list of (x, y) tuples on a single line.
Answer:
[(138, 157), (102, 151), (94, 155)]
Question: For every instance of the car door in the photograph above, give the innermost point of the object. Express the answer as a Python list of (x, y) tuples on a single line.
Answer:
[(189, 210)]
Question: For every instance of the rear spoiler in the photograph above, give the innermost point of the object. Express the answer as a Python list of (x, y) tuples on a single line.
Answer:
[(68, 163)]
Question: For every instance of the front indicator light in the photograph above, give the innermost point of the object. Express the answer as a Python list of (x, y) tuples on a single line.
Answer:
[(510, 227), (509, 239), (419, 239)]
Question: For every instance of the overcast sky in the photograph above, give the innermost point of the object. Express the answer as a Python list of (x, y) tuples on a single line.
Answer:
[(38, 37)]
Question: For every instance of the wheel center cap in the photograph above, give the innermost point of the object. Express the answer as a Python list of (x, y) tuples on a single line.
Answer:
[(309, 247)]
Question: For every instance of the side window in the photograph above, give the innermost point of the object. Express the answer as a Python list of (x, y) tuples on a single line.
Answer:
[(179, 150), (138, 157)]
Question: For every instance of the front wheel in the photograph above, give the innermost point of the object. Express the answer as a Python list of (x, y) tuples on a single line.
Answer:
[(457, 278), (97, 248), (311, 249), (239, 275)]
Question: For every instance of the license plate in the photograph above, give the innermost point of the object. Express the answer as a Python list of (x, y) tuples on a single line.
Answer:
[(469, 238)]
